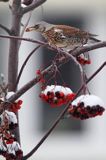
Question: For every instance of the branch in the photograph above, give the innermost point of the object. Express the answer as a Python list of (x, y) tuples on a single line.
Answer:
[(13, 53), (48, 71), (61, 116), (24, 64), (71, 54), (75, 53), (14, 46), (24, 39), (35, 4), (87, 48), (5, 29), (26, 24)]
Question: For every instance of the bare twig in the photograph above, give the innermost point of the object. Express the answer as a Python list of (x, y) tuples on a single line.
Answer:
[(24, 64), (61, 115), (26, 24), (33, 5), (5, 29), (48, 71), (75, 53), (93, 75), (70, 54), (24, 39)]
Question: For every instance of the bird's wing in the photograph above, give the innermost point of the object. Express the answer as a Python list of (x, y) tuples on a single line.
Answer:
[(73, 31)]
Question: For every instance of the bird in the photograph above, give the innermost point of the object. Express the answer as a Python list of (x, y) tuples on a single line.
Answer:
[(63, 36)]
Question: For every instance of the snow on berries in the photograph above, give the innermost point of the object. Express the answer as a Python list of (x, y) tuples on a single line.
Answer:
[(57, 95), (8, 119), (10, 148), (14, 107), (83, 60), (86, 106)]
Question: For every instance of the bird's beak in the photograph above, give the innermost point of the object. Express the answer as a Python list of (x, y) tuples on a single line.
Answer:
[(30, 29)]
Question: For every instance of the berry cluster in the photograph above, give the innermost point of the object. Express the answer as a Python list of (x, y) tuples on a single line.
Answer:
[(8, 119), (83, 60), (57, 95), (10, 148), (86, 106), (14, 107), (41, 78)]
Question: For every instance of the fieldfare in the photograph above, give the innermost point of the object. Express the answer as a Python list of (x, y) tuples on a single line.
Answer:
[(63, 36)]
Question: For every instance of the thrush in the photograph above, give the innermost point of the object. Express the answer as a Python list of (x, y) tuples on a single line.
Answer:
[(63, 36)]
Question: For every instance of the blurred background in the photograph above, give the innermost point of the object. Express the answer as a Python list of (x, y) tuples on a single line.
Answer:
[(72, 139)]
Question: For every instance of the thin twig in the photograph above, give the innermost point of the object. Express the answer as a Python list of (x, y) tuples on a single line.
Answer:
[(26, 24), (60, 116), (33, 5), (24, 39), (24, 64), (5, 29), (75, 53), (93, 75), (48, 71), (71, 54)]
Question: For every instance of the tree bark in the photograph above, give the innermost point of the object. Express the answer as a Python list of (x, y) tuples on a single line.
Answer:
[(13, 53)]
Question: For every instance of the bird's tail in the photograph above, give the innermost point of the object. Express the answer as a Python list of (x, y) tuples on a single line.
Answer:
[(94, 39)]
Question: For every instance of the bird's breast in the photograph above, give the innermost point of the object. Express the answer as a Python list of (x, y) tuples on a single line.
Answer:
[(62, 39)]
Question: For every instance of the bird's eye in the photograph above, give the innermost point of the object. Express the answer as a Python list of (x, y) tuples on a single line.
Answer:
[(37, 26)]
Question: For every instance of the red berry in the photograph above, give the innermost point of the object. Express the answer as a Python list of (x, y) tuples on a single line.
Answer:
[(42, 80), (88, 62), (19, 153), (70, 96), (10, 141), (38, 72), (61, 94), (17, 106), (19, 102)]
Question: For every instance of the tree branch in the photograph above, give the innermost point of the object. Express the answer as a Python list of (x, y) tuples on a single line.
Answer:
[(5, 29), (24, 64), (48, 71), (24, 39), (13, 53), (75, 53), (26, 24), (14, 46), (35, 4), (61, 115)]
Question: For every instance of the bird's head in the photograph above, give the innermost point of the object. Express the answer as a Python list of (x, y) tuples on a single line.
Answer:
[(39, 27)]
